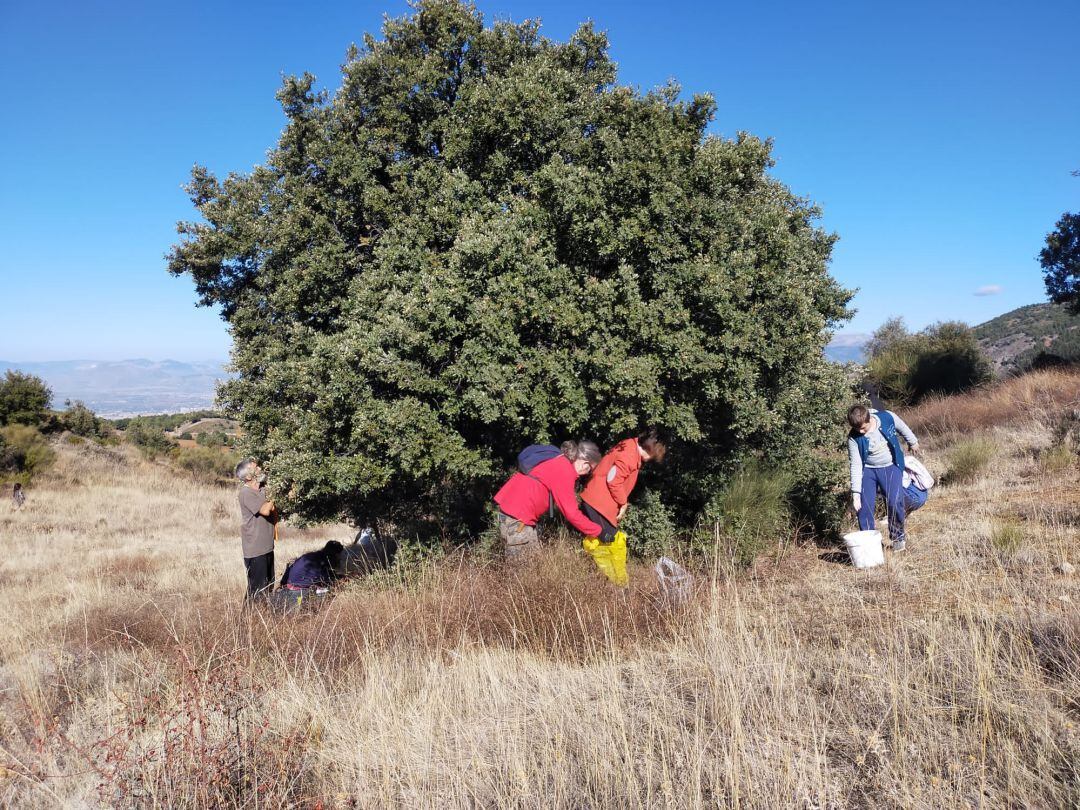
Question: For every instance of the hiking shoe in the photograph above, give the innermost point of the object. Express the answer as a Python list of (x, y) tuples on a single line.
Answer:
[(899, 545)]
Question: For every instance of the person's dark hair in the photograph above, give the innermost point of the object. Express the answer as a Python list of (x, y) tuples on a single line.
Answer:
[(17, 487), (653, 443), (585, 450), (857, 416), (332, 551)]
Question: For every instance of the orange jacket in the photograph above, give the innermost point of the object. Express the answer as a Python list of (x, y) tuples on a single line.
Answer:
[(613, 480)]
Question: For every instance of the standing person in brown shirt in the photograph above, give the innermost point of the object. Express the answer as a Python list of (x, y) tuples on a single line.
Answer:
[(257, 519)]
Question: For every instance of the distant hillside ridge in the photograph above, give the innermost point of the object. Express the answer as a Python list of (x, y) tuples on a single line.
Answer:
[(1035, 335)]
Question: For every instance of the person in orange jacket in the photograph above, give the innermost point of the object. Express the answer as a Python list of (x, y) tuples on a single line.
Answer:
[(605, 497)]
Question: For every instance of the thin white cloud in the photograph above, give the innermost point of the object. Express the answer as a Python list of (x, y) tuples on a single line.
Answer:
[(989, 289)]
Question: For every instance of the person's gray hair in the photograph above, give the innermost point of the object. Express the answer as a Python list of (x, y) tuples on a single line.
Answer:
[(583, 450), (244, 468)]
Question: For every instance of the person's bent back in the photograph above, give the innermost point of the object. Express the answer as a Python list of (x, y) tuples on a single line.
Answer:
[(316, 569), (525, 497)]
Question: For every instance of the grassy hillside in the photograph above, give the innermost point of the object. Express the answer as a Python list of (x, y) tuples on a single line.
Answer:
[(1033, 334), (948, 677)]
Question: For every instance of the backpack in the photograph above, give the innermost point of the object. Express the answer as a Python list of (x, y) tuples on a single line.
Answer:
[(536, 454)]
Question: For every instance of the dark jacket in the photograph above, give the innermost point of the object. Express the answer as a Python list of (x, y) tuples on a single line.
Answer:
[(309, 570)]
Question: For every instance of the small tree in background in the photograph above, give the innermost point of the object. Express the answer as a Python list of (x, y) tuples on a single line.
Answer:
[(942, 359), (886, 336), (481, 241), (82, 421), (1060, 260), (24, 399)]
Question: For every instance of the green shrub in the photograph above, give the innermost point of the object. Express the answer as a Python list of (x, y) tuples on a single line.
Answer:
[(150, 440), (24, 399), (24, 453), (212, 438), (649, 526), (942, 359), (82, 421), (820, 494), (746, 517), (968, 459), (204, 463), (1007, 536)]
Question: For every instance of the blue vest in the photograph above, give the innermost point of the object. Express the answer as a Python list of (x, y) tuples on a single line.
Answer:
[(888, 430)]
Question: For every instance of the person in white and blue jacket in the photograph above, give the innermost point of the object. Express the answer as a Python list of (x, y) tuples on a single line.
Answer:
[(877, 464)]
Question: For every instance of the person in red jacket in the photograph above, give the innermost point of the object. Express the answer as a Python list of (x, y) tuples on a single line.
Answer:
[(524, 498), (605, 497)]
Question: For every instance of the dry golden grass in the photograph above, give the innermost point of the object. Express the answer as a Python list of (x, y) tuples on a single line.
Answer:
[(131, 678), (1032, 397)]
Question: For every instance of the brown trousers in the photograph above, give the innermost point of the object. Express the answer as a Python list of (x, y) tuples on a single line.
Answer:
[(521, 540)]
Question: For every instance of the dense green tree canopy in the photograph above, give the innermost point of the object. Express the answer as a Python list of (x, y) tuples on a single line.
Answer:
[(481, 240), (1060, 260), (24, 399)]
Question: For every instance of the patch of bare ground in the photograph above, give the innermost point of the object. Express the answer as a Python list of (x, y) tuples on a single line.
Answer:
[(130, 675)]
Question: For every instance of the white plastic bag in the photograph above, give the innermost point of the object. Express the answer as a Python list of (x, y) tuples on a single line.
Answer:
[(676, 583)]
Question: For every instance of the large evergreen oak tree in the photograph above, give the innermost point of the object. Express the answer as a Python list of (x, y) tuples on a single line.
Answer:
[(481, 240)]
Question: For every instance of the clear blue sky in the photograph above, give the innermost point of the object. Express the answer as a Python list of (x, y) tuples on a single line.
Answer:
[(938, 137)]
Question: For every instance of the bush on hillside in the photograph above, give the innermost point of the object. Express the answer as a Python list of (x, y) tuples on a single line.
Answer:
[(942, 359), (212, 438), (82, 421), (24, 399), (204, 463), (150, 441), (24, 453), (482, 241)]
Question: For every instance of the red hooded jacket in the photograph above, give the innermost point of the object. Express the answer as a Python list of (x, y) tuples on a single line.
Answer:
[(613, 480), (526, 498)]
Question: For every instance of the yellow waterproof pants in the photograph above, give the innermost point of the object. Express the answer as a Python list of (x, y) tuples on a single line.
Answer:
[(610, 558)]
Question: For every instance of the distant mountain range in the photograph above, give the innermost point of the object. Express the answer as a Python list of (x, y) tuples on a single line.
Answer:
[(850, 348), (128, 387)]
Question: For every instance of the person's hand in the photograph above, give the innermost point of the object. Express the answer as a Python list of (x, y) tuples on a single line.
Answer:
[(915, 449), (856, 501), (622, 511)]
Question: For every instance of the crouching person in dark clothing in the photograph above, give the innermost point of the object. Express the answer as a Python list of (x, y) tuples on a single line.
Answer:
[(309, 576)]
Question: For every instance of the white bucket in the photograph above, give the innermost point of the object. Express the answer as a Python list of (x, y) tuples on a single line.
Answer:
[(865, 549)]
